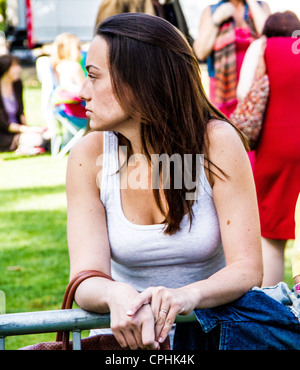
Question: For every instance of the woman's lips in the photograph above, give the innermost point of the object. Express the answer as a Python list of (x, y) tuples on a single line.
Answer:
[(88, 112)]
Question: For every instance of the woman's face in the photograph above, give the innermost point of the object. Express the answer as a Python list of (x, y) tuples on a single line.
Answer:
[(102, 107), (14, 71)]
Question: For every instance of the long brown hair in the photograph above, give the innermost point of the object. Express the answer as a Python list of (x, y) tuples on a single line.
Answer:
[(150, 58)]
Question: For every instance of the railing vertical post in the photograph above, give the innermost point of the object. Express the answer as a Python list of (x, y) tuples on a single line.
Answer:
[(2, 343), (76, 340)]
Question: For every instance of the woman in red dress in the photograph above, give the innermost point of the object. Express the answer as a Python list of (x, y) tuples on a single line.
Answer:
[(226, 30), (277, 161)]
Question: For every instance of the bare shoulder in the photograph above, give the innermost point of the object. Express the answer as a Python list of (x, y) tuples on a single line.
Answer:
[(222, 134), (207, 11), (266, 7), (82, 161), (87, 149), (226, 149), (206, 14)]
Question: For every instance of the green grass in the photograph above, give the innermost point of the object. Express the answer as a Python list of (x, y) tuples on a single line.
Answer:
[(288, 277), (32, 97), (34, 265)]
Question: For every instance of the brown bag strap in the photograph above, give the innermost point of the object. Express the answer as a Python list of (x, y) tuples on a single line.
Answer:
[(70, 294), (76, 281)]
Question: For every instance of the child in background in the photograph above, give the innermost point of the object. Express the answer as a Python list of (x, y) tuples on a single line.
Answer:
[(66, 60)]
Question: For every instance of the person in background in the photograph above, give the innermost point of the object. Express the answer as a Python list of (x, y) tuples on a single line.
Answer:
[(171, 11), (296, 249), (226, 30), (167, 9), (277, 155), (69, 74), (15, 134), (66, 60), (112, 7)]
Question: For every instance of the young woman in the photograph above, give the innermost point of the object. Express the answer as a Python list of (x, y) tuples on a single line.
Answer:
[(168, 252), (14, 133)]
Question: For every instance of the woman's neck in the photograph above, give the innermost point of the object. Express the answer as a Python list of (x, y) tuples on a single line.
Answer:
[(131, 130)]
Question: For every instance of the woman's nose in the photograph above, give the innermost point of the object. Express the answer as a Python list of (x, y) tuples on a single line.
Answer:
[(83, 93)]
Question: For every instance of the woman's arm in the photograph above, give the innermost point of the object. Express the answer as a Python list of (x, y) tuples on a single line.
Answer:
[(259, 13), (87, 235), (236, 206), (17, 128), (249, 67), (89, 249), (23, 119), (209, 28)]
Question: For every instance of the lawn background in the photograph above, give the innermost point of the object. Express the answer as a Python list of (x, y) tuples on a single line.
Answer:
[(34, 266)]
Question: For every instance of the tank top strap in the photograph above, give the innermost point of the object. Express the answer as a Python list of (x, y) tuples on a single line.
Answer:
[(109, 163)]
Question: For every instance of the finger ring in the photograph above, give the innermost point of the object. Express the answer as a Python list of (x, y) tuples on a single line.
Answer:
[(165, 311)]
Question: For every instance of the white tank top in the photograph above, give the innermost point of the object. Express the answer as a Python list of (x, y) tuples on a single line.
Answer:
[(142, 255)]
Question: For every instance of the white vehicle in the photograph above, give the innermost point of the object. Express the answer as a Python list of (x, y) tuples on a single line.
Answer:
[(40, 21)]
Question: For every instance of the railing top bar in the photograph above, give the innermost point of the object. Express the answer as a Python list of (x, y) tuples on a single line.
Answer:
[(58, 320), (51, 321)]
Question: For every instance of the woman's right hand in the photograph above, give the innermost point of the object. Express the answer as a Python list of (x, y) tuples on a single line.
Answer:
[(223, 12), (131, 332)]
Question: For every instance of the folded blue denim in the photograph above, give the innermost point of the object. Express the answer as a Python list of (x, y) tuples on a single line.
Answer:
[(262, 319), (282, 293)]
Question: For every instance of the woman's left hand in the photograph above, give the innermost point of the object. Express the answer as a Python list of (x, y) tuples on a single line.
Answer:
[(166, 304)]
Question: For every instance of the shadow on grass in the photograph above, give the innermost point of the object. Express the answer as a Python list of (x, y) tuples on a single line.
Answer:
[(7, 156), (15, 195)]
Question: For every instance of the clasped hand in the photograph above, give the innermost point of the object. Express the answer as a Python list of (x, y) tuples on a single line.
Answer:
[(150, 317)]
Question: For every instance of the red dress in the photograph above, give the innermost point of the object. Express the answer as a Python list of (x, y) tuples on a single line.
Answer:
[(277, 160)]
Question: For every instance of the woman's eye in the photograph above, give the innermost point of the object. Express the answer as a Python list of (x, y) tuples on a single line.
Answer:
[(92, 77)]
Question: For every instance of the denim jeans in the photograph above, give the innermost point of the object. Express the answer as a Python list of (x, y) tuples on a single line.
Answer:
[(262, 319)]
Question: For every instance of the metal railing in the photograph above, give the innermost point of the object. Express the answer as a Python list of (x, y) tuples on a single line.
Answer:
[(73, 320)]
